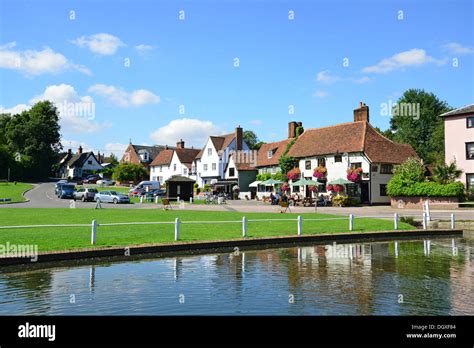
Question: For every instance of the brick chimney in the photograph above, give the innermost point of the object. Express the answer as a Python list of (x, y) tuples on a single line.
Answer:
[(239, 137), (98, 157), (69, 151), (361, 113), (292, 126), (180, 144), (79, 150)]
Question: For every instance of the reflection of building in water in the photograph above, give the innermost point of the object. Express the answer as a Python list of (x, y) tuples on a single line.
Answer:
[(462, 281), (335, 253)]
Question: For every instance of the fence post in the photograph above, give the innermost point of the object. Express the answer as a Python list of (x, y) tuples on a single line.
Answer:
[(300, 225), (176, 229), (156, 199), (190, 200), (427, 209), (395, 221), (453, 221), (351, 222), (244, 226), (94, 232), (425, 222), (177, 199), (141, 199)]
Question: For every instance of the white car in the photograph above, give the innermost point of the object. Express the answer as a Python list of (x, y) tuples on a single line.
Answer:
[(105, 182)]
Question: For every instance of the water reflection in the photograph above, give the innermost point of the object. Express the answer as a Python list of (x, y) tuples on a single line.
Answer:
[(434, 277)]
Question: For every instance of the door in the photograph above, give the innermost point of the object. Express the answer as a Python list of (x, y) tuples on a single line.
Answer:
[(364, 194)]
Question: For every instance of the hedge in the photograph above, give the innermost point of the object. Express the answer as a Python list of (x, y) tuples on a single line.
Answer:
[(427, 188)]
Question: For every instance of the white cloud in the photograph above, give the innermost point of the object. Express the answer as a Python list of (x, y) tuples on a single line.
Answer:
[(143, 48), (456, 48), (256, 122), (361, 80), (103, 44), (31, 62), (17, 109), (326, 77), (122, 98), (320, 94), (411, 58), (116, 148), (193, 131)]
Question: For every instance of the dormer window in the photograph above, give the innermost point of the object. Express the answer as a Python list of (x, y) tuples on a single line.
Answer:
[(144, 157), (269, 154)]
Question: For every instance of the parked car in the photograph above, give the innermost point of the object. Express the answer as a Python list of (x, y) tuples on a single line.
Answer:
[(58, 185), (91, 179), (66, 191), (85, 194), (152, 194), (77, 180), (111, 197), (105, 182), (152, 185)]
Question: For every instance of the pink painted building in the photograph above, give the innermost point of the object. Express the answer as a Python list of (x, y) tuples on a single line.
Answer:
[(459, 141)]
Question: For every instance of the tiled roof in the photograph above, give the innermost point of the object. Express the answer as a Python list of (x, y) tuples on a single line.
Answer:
[(164, 157), (350, 137), (187, 155), (78, 160), (278, 149), (153, 151), (220, 142), (468, 109)]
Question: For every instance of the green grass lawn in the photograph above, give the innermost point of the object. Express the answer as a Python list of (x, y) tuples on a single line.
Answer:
[(15, 192), (64, 238)]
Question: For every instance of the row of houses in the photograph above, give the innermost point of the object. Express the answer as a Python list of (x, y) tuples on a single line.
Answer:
[(226, 161)]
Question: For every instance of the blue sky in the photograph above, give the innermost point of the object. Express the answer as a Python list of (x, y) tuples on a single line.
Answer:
[(47, 51)]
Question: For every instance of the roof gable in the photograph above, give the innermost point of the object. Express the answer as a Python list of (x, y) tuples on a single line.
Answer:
[(278, 148)]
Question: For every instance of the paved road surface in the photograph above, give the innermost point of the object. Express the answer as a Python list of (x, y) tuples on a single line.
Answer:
[(42, 196)]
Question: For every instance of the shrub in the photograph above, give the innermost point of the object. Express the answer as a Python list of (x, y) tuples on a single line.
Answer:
[(341, 201), (410, 171), (427, 188), (263, 176)]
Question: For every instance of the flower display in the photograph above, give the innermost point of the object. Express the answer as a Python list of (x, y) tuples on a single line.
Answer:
[(329, 188), (312, 188), (354, 175), (320, 172), (285, 187), (294, 174), (338, 188)]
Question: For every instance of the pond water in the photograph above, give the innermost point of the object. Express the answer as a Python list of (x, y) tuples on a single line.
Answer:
[(421, 277)]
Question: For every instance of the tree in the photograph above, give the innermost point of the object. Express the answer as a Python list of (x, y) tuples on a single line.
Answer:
[(445, 174), (34, 136), (129, 172), (251, 139), (423, 131), (286, 163), (113, 159)]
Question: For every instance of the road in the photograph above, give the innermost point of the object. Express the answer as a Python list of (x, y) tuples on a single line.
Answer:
[(42, 196)]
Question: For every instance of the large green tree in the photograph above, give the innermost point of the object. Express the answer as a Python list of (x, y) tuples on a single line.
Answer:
[(252, 140), (423, 131), (130, 172), (33, 139)]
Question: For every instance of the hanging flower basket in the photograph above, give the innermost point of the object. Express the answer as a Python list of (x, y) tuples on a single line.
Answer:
[(320, 173), (285, 187), (312, 188), (294, 174), (354, 175), (338, 188)]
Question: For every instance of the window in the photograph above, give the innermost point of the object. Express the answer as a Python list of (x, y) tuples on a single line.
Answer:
[(356, 165), (469, 181), (338, 158), (161, 168), (470, 122), (209, 151), (270, 154), (352, 190), (214, 166), (174, 167), (89, 162), (205, 167), (469, 151), (386, 169), (274, 170), (322, 162), (185, 171), (383, 190), (154, 178), (231, 171), (307, 165), (375, 168)]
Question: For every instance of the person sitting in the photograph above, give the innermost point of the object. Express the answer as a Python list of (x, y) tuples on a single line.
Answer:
[(272, 198), (277, 198), (284, 198)]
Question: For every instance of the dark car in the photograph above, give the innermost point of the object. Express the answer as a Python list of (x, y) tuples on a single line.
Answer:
[(85, 194), (58, 185), (91, 179), (77, 180), (66, 191)]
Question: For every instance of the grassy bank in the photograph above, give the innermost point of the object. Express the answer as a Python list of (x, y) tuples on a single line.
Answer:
[(66, 238), (14, 192)]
